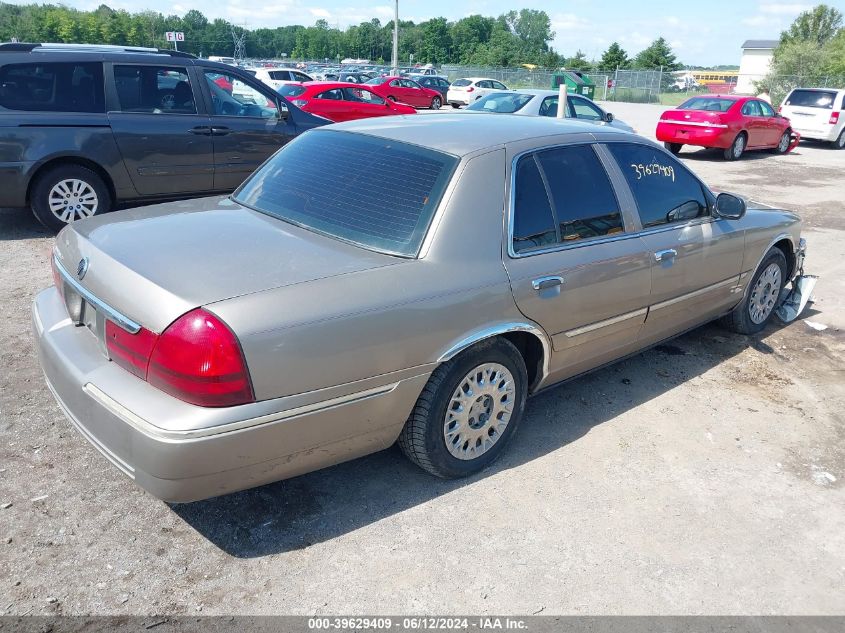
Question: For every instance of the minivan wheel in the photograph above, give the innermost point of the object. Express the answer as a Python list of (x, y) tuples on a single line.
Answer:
[(756, 310), (737, 147), (468, 411), (839, 143), (66, 193)]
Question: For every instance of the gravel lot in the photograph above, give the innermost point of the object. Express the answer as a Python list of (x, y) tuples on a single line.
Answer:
[(704, 476)]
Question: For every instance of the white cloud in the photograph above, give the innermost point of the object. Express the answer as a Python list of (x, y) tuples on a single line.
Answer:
[(320, 13)]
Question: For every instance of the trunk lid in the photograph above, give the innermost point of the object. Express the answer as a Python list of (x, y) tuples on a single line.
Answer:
[(155, 263), (694, 117)]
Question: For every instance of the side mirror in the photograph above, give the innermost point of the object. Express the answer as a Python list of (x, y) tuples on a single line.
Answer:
[(608, 116), (729, 206)]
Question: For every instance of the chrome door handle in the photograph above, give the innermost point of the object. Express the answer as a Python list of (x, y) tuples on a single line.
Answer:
[(669, 253), (541, 283)]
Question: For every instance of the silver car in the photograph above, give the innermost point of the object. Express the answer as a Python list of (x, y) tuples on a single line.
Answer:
[(530, 102), (376, 282)]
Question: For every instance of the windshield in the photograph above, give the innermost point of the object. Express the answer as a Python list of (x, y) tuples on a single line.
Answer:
[(291, 90), (708, 104), (373, 192), (506, 103), (811, 99)]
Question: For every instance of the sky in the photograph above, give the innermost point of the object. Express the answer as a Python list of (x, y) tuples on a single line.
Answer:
[(704, 32)]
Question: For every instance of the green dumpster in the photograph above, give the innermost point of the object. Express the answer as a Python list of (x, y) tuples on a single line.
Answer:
[(576, 83)]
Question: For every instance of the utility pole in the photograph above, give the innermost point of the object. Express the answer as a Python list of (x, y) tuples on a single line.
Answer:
[(396, 37)]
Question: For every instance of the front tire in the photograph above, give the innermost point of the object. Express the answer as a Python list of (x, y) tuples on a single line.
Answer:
[(756, 309), (674, 148), (783, 143), (468, 411), (436, 103), (735, 151), (67, 193)]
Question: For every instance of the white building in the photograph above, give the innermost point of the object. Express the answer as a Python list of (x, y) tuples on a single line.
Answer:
[(755, 63)]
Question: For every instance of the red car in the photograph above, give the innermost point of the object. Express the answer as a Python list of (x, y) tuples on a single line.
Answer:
[(338, 101), (407, 91), (731, 123)]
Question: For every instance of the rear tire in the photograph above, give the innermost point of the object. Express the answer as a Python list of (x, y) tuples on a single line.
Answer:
[(839, 143), (455, 105), (436, 103), (735, 151), (757, 308), (66, 193), (473, 403), (674, 148)]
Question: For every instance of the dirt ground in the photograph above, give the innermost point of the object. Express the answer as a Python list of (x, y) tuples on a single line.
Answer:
[(702, 477)]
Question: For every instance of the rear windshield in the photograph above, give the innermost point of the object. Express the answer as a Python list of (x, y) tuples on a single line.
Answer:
[(290, 90), (497, 102), (373, 192), (462, 82), (708, 104), (811, 99)]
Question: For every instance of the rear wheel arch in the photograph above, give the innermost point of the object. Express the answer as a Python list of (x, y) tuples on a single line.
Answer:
[(71, 160), (531, 342)]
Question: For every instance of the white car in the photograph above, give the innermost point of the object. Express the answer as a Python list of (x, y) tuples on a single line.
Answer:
[(465, 91), (276, 77), (531, 102), (817, 113)]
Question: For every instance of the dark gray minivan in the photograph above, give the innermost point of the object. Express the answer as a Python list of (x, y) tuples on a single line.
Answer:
[(83, 128)]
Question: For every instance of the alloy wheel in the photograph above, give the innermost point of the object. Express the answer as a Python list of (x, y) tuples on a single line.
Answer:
[(765, 294), (479, 411)]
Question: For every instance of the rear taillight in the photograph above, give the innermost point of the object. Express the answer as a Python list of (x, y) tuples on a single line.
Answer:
[(130, 351), (196, 359), (834, 118), (57, 278), (470, 89)]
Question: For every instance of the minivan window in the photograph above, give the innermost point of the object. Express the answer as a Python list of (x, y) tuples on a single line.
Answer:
[(665, 190), (811, 99), (53, 87), (377, 193), (154, 89)]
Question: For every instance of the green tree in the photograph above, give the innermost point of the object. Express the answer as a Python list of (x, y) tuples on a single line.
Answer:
[(820, 24), (577, 62), (437, 41), (533, 28), (658, 54), (614, 57)]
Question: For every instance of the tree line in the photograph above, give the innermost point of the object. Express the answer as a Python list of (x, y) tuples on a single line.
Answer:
[(511, 39)]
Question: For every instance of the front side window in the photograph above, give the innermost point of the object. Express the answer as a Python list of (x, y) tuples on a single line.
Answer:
[(583, 109), (377, 193), (53, 87), (362, 95), (665, 190), (154, 89), (583, 200), (232, 96)]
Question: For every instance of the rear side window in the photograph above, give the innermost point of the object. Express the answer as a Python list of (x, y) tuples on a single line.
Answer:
[(154, 89), (584, 203), (374, 192), (665, 190), (533, 222), (811, 99), (53, 87)]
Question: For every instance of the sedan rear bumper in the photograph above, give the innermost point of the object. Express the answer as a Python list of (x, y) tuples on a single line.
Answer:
[(198, 463), (686, 134)]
